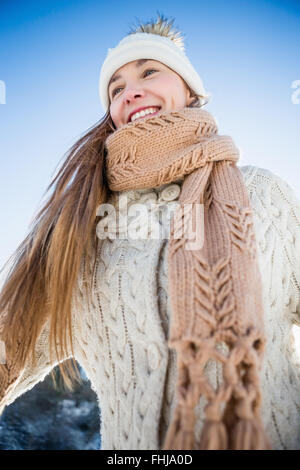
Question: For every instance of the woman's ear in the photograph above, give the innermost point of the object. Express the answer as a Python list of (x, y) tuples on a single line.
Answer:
[(190, 100), (190, 97)]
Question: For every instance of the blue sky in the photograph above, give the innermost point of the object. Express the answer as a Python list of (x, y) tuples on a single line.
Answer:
[(247, 53)]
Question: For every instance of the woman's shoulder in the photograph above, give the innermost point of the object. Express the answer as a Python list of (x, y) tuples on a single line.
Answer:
[(270, 186), (255, 174), (277, 220), (275, 207)]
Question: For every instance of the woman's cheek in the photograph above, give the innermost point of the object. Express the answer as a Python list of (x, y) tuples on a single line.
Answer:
[(114, 112)]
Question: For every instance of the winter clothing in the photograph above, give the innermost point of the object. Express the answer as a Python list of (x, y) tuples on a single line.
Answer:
[(214, 283), (120, 340), (149, 46), (168, 326)]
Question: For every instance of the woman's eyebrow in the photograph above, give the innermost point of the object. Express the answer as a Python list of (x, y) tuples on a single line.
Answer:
[(139, 63)]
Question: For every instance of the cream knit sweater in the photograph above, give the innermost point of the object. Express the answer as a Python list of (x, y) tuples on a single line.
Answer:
[(121, 342)]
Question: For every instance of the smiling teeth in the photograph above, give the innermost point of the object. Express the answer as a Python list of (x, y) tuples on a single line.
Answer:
[(143, 113)]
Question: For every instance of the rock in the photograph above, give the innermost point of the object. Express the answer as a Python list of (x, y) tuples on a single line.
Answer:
[(48, 419)]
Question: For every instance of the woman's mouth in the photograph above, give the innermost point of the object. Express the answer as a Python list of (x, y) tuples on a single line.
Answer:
[(151, 111)]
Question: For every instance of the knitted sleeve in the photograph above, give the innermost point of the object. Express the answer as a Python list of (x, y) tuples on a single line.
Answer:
[(284, 206), (15, 382)]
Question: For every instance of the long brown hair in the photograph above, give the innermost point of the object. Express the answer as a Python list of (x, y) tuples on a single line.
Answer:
[(41, 280), (46, 264)]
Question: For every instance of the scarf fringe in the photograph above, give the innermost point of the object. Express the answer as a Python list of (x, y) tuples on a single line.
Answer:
[(244, 435), (239, 427), (214, 436), (177, 437), (247, 435)]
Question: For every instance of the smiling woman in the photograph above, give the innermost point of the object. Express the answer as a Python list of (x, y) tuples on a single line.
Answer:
[(187, 342), (144, 84)]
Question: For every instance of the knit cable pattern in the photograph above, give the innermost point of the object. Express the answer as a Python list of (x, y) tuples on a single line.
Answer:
[(126, 281)]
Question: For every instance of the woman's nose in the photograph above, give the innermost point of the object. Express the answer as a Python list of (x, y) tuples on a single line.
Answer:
[(132, 93)]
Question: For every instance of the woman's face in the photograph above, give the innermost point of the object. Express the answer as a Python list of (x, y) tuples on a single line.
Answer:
[(145, 83)]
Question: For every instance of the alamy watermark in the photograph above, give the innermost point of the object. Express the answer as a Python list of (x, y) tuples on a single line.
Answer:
[(2, 92), (140, 221), (296, 94)]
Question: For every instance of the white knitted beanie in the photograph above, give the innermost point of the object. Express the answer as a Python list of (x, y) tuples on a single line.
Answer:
[(149, 46)]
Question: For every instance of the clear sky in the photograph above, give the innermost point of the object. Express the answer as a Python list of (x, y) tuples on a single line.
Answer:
[(247, 53)]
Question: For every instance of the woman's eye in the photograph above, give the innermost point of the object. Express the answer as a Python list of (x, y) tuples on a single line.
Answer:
[(149, 70), (144, 74), (115, 90)]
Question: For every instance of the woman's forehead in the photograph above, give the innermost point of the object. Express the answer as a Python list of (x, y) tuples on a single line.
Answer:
[(134, 64), (138, 63)]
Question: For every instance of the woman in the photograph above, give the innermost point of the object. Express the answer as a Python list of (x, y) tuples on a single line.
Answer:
[(184, 328)]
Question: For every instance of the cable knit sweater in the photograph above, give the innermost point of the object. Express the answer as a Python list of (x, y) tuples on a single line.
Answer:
[(121, 340)]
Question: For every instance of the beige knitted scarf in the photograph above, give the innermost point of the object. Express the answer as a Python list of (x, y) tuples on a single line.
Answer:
[(215, 287)]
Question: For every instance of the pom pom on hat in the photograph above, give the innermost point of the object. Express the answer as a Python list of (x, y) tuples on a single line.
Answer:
[(144, 45)]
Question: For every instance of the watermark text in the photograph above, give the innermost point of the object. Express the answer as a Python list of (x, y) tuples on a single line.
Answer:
[(2, 92), (139, 221), (296, 94)]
